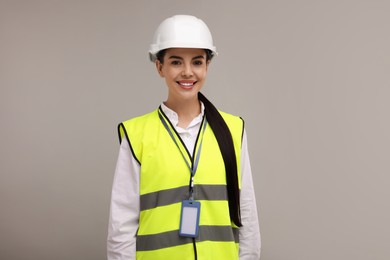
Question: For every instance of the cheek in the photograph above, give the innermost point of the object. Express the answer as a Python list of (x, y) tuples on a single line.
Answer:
[(202, 74), (170, 73), (170, 77)]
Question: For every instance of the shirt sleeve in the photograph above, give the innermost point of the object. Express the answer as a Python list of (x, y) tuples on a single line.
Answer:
[(249, 234), (124, 209)]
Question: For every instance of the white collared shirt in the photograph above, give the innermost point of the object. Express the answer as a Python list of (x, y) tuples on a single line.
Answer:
[(188, 135), (125, 208)]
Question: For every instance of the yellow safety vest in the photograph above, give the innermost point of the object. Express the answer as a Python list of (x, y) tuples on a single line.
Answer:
[(164, 184)]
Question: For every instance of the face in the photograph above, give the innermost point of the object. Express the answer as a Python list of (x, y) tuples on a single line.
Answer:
[(184, 71)]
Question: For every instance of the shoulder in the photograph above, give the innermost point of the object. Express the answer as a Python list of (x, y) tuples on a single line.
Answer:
[(136, 126), (235, 123), (232, 119), (136, 129), (141, 119)]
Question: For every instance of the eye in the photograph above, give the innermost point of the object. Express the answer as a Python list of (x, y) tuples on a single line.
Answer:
[(175, 62), (198, 62)]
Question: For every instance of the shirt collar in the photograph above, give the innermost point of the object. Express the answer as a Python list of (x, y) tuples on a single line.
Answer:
[(173, 117)]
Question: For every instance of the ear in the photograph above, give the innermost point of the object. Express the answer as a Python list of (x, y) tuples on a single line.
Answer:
[(159, 68)]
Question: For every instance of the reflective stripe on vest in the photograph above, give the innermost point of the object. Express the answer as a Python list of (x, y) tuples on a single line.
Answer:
[(164, 183)]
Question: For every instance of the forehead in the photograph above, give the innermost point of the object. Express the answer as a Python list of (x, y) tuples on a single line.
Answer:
[(185, 52)]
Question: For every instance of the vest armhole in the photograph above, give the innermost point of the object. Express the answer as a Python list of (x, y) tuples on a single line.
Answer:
[(122, 132), (243, 128)]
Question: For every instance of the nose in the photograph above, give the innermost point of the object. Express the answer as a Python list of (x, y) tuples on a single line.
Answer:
[(187, 70)]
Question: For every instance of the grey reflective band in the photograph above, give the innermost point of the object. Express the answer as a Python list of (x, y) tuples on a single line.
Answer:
[(171, 238), (195, 165), (176, 195)]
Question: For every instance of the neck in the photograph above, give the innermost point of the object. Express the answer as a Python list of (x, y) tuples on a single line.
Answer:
[(186, 111)]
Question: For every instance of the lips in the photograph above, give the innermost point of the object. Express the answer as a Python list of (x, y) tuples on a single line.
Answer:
[(187, 84)]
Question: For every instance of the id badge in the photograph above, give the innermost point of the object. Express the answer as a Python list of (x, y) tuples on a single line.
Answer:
[(189, 221)]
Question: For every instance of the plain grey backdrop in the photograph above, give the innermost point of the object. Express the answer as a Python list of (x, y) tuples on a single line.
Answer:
[(311, 79)]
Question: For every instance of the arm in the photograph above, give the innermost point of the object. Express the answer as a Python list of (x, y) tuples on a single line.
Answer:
[(249, 234), (124, 210)]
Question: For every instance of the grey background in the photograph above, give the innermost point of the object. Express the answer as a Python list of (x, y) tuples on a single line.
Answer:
[(311, 79)]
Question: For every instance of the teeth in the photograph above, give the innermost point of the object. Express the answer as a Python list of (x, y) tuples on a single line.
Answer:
[(187, 84)]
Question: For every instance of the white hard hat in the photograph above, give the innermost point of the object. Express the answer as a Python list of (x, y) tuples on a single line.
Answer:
[(181, 31)]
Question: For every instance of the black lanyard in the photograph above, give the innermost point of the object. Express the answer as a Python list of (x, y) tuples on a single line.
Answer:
[(195, 165)]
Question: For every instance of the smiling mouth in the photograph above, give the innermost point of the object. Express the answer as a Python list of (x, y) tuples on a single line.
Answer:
[(186, 84)]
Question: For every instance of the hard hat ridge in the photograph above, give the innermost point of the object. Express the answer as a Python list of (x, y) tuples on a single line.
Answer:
[(181, 31)]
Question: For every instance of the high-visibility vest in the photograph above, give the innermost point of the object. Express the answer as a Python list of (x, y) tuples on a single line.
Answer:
[(164, 184)]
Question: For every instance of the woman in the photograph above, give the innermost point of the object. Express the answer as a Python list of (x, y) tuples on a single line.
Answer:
[(183, 184)]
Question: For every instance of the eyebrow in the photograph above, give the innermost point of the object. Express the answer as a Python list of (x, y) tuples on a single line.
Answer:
[(180, 58)]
